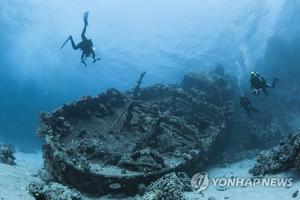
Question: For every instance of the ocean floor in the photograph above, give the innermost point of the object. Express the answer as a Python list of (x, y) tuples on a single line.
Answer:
[(240, 170), (15, 179)]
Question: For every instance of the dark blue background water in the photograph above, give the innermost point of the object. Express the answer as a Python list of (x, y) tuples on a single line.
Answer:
[(167, 39)]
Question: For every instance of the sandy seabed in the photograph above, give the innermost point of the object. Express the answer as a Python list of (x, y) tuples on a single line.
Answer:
[(241, 170), (15, 179)]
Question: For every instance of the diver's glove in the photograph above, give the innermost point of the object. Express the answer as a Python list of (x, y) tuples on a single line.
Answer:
[(95, 60)]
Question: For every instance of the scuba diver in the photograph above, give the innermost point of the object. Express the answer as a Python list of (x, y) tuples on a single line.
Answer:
[(259, 84), (219, 70), (86, 45), (247, 105)]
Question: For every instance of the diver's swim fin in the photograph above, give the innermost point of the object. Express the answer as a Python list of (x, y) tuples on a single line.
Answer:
[(67, 40), (85, 18)]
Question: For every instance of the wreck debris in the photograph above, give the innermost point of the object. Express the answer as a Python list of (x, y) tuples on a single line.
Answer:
[(138, 85), (117, 121), (295, 194), (129, 109), (7, 154), (144, 160), (161, 129)]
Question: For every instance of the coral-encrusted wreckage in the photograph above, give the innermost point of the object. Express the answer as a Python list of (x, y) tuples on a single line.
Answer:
[(7, 154), (281, 158), (122, 142)]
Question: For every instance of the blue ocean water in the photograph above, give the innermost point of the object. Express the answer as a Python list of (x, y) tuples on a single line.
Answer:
[(165, 38)]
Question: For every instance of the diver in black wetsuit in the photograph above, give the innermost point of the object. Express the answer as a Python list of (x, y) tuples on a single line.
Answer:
[(86, 45), (246, 104), (259, 84), (219, 70)]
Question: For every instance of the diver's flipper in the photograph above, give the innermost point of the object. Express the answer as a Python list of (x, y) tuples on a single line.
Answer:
[(67, 40), (85, 18)]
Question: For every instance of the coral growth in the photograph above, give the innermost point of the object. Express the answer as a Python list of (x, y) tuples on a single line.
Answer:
[(169, 187), (7, 154), (117, 141), (52, 191), (283, 157)]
